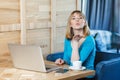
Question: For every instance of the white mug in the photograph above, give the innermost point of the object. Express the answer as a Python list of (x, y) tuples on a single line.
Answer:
[(77, 64)]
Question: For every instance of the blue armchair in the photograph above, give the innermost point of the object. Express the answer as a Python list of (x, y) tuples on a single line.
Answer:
[(107, 65)]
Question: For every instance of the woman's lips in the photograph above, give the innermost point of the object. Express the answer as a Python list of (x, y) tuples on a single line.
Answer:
[(77, 24)]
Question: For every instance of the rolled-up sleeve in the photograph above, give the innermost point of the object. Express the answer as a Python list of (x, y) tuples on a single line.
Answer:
[(86, 49), (66, 57)]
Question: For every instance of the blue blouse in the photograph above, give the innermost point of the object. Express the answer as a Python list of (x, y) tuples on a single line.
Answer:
[(87, 52)]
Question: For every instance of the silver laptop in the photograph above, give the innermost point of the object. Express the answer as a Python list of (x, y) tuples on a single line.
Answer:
[(29, 57)]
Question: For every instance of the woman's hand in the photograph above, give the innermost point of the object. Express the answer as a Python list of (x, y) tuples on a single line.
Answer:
[(75, 48), (75, 41), (59, 61), (77, 37)]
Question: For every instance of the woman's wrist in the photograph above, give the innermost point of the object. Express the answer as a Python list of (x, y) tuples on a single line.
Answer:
[(75, 49), (75, 44)]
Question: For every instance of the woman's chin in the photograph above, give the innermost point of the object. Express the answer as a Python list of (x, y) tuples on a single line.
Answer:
[(78, 28)]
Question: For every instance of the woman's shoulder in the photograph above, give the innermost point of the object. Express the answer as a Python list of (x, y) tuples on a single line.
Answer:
[(67, 40), (89, 38)]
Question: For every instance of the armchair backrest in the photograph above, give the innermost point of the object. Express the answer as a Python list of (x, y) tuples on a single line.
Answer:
[(104, 56)]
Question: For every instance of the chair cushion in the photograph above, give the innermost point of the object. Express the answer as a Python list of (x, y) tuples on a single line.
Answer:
[(100, 45), (102, 39)]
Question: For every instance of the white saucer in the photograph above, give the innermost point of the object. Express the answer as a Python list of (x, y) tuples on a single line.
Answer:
[(72, 68)]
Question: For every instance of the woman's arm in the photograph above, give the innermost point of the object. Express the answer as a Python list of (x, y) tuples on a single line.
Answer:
[(75, 48), (86, 49), (66, 57)]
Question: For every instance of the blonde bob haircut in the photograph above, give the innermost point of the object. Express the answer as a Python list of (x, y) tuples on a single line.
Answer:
[(69, 31)]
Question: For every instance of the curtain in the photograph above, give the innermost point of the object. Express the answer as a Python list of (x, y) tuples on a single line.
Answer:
[(102, 14), (116, 27)]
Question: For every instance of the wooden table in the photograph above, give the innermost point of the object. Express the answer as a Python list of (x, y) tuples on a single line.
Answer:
[(8, 72)]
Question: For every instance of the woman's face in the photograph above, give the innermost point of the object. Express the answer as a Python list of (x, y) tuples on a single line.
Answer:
[(77, 21)]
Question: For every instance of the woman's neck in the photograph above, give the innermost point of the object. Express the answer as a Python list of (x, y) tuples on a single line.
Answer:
[(78, 31)]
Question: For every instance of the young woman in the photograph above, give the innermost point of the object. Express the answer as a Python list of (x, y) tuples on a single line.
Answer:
[(79, 44)]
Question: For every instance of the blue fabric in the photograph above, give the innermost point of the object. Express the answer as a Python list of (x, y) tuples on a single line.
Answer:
[(107, 66), (100, 45), (116, 20), (104, 40), (104, 56), (108, 70), (99, 14), (54, 56), (87, 52)]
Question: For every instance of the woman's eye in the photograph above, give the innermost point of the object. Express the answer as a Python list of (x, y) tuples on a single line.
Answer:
[(77, 18), (80, 18), (73, 18)]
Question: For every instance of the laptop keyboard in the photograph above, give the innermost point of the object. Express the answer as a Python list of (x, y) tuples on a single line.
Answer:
[(48, 67)]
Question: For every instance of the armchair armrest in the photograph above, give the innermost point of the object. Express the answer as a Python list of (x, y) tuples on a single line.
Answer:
[(54, 56), (108, 70)]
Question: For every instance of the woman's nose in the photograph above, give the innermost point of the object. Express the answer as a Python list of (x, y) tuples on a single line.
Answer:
[(77, 19)]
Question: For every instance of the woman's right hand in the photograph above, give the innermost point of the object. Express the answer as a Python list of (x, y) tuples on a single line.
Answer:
[(77, 37), (59, 61), (75, 41)]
